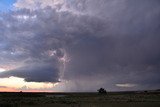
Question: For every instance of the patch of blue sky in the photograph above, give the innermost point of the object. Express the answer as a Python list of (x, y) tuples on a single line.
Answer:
[(6, 5)]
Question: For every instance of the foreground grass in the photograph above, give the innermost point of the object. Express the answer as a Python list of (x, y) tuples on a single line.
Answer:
[(127, 99)]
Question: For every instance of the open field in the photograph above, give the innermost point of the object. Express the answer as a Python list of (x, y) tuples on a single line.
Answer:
[(112, 99)]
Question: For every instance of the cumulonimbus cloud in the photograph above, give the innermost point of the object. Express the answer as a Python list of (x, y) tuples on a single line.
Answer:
[(109, 43)]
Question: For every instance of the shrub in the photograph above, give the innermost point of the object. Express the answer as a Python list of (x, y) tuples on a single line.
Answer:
[(102, 91)]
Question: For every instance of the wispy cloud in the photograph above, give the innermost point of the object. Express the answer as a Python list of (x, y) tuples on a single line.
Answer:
[(126, 85)]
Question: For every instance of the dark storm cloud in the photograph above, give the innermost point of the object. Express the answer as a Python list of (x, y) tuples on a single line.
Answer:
[(108, 42), (35, 73), (31, 38), (126, 51)]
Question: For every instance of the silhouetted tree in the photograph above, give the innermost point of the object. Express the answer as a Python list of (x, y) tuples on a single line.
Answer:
[(102, 91), (158, 90)]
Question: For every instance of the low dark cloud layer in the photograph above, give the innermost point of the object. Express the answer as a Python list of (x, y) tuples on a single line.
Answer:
[(105, 42), (35, 73)]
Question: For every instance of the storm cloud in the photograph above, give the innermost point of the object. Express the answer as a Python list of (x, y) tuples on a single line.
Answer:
[(90, 43)]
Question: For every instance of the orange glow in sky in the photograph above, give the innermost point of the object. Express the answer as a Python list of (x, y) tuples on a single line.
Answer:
[(6, 89), (18, 84)]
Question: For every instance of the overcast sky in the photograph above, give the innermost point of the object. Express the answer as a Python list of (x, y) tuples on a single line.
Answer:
[(80, 45)]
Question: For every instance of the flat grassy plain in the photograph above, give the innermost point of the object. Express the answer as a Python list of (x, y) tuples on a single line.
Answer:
[(111, 99)]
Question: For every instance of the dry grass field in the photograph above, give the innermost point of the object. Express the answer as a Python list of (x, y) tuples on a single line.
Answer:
[(111, 99)]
